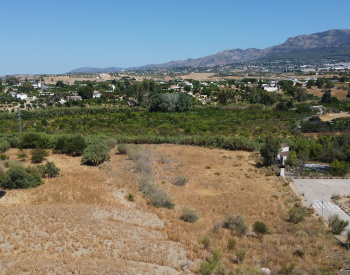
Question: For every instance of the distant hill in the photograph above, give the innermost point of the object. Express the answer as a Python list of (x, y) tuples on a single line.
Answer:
[(328, 44)]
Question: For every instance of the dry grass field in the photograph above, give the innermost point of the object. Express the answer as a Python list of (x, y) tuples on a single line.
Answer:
[(339, 91), (83, 223)]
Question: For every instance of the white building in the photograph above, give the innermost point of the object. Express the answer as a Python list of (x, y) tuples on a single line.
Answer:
[(22, 96), (283, 154)]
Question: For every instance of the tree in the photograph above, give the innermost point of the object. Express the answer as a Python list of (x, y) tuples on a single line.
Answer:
[(12, 80), (170, 102), (86, 92), (339, 168), (270, 150), (327, 97), (291, 159), (59, 83), (187, 88)]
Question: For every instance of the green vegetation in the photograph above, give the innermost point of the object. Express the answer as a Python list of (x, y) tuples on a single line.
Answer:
[(189, 215), (38, 155), (18, 177), (296, 214), (236, 223), (49, 170), (336, 224), (180, 180), (212, 264), (95, 154), (260, 228)]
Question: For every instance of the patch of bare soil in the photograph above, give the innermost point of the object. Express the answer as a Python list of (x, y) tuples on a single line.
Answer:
[(331, 116), (339, 91), (82, 221)]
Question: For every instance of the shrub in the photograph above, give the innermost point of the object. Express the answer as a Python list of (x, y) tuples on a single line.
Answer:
[(122, 149), (35, 140), (231, 243), (3, 157), (295, 214), (205, 241), (189, 215), (348, 236), (236, 223), (298, 253), (240, 254), (4, 145), (158, 198), (180, 180), (22, 155), (260, 228), (212, 264), (131, 197), (335, 197), (95, 154), (288, 269), (19, 177), (337, 225), (71, 145), (38, 155), (49, 170)]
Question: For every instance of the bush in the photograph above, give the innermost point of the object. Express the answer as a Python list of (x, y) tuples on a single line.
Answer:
[(295, 214), (189, 215), (231, 243), (336, 224), (95, 154), (19, 177), (240, 254), (3, 157), (71, 145), (4, 145), (22, 155), (180, 180), (49, 170), (298, 253), (260, 228), (131, 197), (212, 264), (35, 140), (122, 149), (205, 241), (38, 155), (236, 223), (158, 198)]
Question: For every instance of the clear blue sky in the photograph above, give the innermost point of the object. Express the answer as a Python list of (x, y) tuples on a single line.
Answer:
[(49, 36)]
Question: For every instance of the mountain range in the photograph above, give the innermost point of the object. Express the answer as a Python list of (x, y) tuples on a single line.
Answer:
[(329, 44)]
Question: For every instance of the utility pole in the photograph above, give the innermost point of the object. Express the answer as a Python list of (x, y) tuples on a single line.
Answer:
[(19, 120)]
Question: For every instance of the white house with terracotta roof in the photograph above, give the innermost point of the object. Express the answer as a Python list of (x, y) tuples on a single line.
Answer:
[(283, 154)]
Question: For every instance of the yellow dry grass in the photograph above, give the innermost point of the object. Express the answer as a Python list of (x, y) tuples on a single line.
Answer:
[(83, 217), (331, 116)]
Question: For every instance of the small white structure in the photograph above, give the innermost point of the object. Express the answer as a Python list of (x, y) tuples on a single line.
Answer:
[(37, 85), (22, 96), (96, 94), (270, 89), (318, 108), (283, 154), (62, 101)]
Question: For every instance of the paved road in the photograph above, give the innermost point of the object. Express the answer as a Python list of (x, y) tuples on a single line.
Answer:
[(316, 191)]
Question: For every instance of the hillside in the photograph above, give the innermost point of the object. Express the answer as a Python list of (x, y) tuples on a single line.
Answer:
[(329, 44), (82, 221)]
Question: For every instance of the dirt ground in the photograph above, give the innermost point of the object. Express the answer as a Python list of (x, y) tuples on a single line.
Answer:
[(82, 221), (331, 116), (339, 91)]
